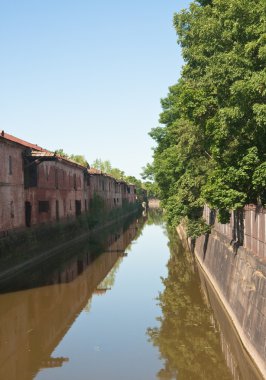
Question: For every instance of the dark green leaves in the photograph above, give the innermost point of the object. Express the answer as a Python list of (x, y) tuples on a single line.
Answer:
[(212, 145)]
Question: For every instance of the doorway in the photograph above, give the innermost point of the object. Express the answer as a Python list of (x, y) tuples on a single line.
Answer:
[(28, 214)]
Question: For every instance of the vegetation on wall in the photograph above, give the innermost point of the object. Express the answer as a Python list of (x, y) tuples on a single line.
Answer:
[(211, 144)]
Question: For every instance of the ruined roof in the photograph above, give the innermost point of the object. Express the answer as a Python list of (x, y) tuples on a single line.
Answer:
[(57, 157), (16, 140), (95, 171), (36, 151), (40, 154)]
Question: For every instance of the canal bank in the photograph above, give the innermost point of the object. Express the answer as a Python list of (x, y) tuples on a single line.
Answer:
[(239, 279), (126, 303)]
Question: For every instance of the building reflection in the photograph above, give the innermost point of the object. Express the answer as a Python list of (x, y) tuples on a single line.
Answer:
[(37, 312)]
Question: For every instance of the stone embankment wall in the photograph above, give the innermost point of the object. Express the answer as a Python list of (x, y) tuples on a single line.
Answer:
[(247, 227), (238, 275), (236, 356)]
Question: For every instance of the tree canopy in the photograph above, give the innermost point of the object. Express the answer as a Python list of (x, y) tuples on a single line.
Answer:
[(106, 167), (80, 159), (211, 144)]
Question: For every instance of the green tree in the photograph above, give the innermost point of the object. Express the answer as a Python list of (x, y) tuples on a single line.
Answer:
[(151, 188), (104, 166), (148, 172), (117, 173), (212, 148), (80, 159), (149, 184), (60, 152)]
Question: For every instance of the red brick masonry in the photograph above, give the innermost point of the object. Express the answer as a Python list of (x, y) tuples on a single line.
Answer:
[(38, 186)]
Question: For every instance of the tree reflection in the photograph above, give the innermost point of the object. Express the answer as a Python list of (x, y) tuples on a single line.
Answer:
[(186, 336), (155, 216), (109, 280)]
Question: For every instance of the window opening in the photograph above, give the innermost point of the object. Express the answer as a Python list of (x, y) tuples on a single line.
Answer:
[(10, 164), (43, 206)]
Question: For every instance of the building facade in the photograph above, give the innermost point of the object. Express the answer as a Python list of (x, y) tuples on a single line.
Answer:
[(37, 186), (12, 210)]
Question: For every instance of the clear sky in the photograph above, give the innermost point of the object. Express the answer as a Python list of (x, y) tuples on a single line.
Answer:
[(87, 76)]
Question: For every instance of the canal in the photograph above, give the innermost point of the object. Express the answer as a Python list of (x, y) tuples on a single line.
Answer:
[(126, 303)]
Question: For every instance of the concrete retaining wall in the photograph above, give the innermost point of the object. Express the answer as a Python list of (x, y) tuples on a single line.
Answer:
[(240, 280), (247, 226), (236, 356)]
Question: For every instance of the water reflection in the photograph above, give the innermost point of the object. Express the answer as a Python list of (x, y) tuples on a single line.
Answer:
[(51, 329), (155, 216), (34, 321), (189, 337)]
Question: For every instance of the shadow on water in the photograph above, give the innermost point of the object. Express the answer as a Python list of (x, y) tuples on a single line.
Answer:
[(34, 321), (77, 255), (195, 338)]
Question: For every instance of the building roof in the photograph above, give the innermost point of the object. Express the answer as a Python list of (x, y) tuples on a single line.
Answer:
[(95, 171), (37, 151), (6, 136), (52, 155)]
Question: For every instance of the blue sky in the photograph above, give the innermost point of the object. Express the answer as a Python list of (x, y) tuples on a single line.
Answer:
[(87, 76)]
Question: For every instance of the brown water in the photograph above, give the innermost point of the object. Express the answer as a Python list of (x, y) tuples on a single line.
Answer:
[(127, 304)]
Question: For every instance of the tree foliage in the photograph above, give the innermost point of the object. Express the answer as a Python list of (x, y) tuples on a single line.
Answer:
[(106, 167), (211, 145), (149, 183), (78, 158)]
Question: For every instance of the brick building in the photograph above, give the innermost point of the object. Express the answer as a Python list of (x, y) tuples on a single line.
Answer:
[(38, 186), (55, 187), (12, 211), (115, 193)]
